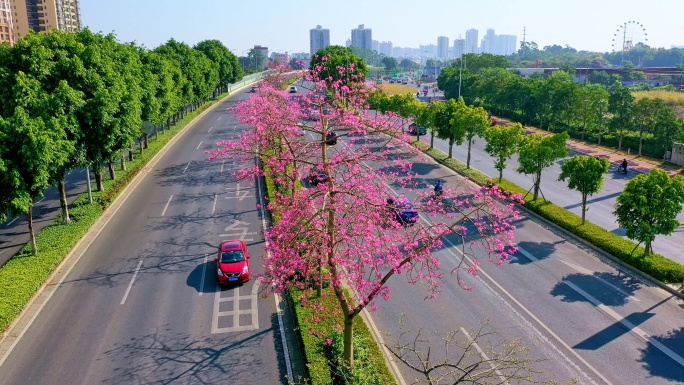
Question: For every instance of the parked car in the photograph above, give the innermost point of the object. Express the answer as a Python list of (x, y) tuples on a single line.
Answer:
[(415, 129), (293, 89), (232, 262), (316, 176), (403, 211)]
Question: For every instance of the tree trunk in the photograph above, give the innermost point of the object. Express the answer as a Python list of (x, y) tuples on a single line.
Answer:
[(140, 144), (641, 139), (584, 128), (470, 143), (112, 172), (584, 206), (348, 340), (647, 248), (98, 179), (537, 183), (500, 175), (130, 155), (599, 139), (620, 142), (432, 139), (63, 202), (29, 218), (123, 161), (451, 146)]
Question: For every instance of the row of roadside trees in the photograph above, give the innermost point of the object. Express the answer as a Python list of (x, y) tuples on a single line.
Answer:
[(80, 99), (607, 113)]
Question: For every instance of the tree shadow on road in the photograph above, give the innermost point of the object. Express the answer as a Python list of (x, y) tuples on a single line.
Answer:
[(539, 250), (608, 288), (658, 363)]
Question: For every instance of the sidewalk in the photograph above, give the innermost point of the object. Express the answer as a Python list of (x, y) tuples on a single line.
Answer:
[(635, 162)]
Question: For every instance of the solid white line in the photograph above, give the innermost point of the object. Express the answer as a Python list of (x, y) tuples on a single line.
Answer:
[(167, 205), (630, 326), (591, 273), (212, 127), (484, 355), (213, 208), (41, 199), (186, 167), (130, 284), (12, 221), (198, 146), (204, 272)]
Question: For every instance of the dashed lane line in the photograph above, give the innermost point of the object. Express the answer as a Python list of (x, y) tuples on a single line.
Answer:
[(167, 205), (130, 284)]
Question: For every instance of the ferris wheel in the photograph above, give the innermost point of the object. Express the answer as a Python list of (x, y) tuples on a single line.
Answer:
[(628, 35)]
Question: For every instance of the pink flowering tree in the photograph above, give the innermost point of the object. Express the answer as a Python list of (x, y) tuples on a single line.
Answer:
[(339, 230)]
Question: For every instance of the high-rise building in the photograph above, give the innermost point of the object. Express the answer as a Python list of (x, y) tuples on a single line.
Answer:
[(362, 37), (386, 48), (459, 48), (280, 58), (319, 38), (6, 24), (264, 55), (42, 15), (471, 41), (375, 46), (442, 47)]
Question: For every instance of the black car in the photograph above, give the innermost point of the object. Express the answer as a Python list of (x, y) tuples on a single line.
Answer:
[(415, 129), (331, 138), (316, 176)]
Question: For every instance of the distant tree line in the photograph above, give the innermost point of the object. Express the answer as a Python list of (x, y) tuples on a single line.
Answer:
[(69, 100)]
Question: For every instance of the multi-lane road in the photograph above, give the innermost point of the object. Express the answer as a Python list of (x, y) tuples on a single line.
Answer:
[(142, 304)]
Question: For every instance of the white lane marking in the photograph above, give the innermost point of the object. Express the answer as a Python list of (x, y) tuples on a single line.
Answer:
[(213, 208), (236, 311), (630, 326), (239, 194), (198, 146), (484, 355), (223, 161), (279, 304), (130, 284), (204, 273), (167, 205), (238, 230), (212, 127), (186, 167), (12, 221), (591, 273), (219, 118), (41, 199), (527, 254)]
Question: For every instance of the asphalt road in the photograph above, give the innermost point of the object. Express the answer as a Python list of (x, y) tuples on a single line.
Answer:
[(601, 205), (142, 305), (579, 314)]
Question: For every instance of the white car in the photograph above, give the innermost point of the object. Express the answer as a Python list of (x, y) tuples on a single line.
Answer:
[(293, 89)]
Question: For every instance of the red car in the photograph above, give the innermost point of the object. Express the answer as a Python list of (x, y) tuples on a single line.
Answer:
[(233, 262)]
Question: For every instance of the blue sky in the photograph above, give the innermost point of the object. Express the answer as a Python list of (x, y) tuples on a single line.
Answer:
[(283, 25)]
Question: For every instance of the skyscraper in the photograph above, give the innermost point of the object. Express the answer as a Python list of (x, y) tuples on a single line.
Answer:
[(6, 25), (459, 47), (386, 48), (319, 38), (42, 15), (362, 37), (442, 47), (471, 41)]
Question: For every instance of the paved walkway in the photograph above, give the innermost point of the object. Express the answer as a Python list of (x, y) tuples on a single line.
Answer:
[(635, 162)]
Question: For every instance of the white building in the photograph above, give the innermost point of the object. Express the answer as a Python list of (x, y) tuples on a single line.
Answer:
[(362, 37), (442, 48), (471, 41), (459, 48), (386, 48), (319, 38)]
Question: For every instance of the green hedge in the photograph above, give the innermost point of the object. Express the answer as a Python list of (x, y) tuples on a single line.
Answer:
[(655, 265), (315, 330), (24, 274)]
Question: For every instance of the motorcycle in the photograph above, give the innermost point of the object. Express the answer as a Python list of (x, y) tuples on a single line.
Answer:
[(439, 189)]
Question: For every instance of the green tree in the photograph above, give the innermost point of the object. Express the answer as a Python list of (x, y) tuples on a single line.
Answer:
[(584, 174), (537, 152), (32, 150), (390, 63), (441, 115), (339, 64), (471, 121), (649, 206), (408, 64), (603, 78), (621, 105), (502, 142), (222, 57)]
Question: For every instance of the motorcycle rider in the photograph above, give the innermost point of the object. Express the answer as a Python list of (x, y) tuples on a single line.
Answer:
[(623, 166), (439, 188)]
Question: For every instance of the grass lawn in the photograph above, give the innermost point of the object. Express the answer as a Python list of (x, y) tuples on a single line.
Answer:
[(671, 98), (398, 89)]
